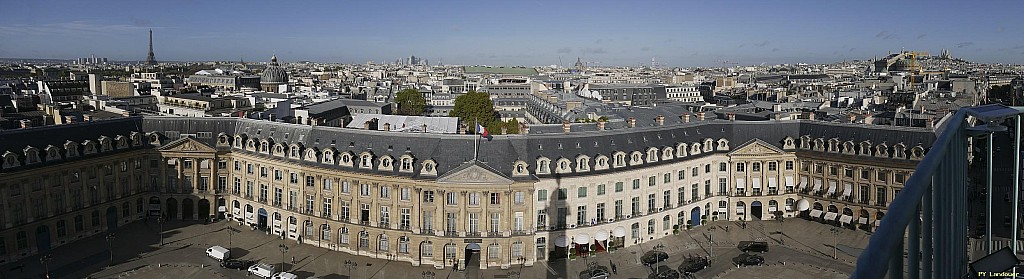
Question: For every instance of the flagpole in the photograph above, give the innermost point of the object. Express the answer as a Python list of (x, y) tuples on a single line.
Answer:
[(476, 138)]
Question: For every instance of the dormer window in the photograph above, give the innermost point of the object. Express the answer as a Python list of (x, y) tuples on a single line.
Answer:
[(520, 168), (723, 144), (652, 155), (406, 164), (366, 161), (582, 163), (295, 152), (543, 165), (346, 158), (708, 145)]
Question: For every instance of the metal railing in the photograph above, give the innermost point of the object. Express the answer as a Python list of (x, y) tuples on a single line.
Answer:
[(929, 217)]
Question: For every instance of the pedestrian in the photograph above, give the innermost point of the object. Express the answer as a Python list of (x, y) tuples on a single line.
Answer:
[(615, 269), (293, 259)]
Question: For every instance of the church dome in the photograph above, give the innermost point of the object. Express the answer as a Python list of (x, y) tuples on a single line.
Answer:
[(274, 73)]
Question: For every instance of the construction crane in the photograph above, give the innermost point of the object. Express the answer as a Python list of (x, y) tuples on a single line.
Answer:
[(913, 67), (726, 63)]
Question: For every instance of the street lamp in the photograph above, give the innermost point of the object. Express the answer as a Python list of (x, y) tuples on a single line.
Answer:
[(284, 249), (711, 242), (231, 231), (110, 247), (160, 220), (43, 260), (350, 265), (782, 219), (835, 248)]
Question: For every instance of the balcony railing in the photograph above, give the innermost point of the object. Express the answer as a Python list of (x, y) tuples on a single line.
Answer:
[(931, 210)]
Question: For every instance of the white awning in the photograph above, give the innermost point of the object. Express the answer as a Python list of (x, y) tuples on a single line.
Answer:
[(773, 183), (817, 184), (789, 208), (803, 205), (845, 219), (803, 182), (789, 181), (722, 210), (562, 241), (831, 216), (878, 222), (236, 211), (222, 208), (832, 187), (248, 215), (740, 209), (756, 182), (864, 220), (581, 239), (277, 223), (815, 213), (740, 183), (847, 189), (619, 232), (773, 208), (601, 236)]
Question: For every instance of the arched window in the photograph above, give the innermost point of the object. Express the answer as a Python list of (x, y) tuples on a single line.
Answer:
[(403, 245), (494, 251), (364, 240), (650, 226), (343, 236), (449, 251), (383, 244), (517, 249), (635, 230), (666, 223), (325, 232)]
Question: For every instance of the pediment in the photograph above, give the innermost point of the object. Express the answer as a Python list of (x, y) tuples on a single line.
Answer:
[(474, 172), (187, 145), (756, 147)]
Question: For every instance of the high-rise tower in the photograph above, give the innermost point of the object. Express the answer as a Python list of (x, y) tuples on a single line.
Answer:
[(150, 58)]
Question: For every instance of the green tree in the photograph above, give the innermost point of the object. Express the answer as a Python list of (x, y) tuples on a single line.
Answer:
[(410, 102), (474, 107), (1002, 92), (512, 126)]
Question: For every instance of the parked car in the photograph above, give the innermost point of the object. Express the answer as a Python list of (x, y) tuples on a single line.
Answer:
[(262, 270), (285, 275), (653, 257), (753, 246), (664, 272), (748, 259), (237, 264), (693, 264), (596, 272)]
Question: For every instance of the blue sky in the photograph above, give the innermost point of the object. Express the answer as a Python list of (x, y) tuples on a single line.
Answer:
[(675, 33)]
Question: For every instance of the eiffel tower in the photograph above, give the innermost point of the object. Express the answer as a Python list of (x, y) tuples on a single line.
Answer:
[(150, 58)]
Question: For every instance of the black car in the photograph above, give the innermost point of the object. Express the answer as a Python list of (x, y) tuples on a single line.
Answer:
[(693, 264), (237, 264), (664, 272), (753, 246), (748, 259), (596, 272), (653, 257)]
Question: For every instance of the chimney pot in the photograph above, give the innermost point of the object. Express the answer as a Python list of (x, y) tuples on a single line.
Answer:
[(387, 126), (566, 127), (600, 125), (700, 116), (732, 116), (686, 118), (660, 119), (524, 129), (632, 122)]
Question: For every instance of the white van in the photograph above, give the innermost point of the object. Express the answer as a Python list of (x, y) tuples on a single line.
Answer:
[(262, 270), (285, 275), (219, 253)]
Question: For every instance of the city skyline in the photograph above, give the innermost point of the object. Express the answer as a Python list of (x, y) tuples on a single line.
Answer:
[(510, 34)]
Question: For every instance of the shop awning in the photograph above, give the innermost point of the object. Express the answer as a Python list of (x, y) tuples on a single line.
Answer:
[(581, 239), (562, 241), (816, 213), (847, 189), (773, 183), (817, 184), (789, 181), (619, 232), (864, 220), (222, 208), (773, 208), (845, 219), (236, 211), (756, 182), (831, 216), (601, 236), (722, 210), (740, 209), (803, 182), (248, 215), (740, 183), (832, 187)]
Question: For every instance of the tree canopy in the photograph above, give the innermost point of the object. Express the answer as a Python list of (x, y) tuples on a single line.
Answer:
[(410, 102), (475, 107)]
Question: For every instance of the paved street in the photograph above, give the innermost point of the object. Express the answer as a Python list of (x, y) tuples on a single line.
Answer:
[(807, 253)]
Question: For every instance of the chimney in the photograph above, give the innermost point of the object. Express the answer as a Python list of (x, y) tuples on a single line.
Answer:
[(387, 126), (86, 117), (853, 118), (685, 118), (777, 107), (25, 123), (366, 125), (660, 119), (732, 116), (462, 128), (566, 127), (524, 129), (69, 119), (632, 122), (600, 125), (810, 115), (700, 116), (930, 123), (273, 117)]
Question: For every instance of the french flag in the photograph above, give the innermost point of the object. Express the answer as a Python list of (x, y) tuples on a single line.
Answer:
[(482, 131)]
